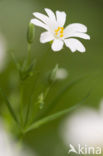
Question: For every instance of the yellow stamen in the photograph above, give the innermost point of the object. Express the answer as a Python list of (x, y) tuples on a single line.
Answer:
[(59, 31), (56, 30), (61, 35)]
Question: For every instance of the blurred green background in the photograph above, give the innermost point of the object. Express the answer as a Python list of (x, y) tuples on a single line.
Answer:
[(14, 18)]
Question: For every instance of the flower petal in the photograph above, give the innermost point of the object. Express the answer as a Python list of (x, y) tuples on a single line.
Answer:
[(46, 37), (50, 13), (77, 34), (52, 19), (42, 17), (39, 23), (61, 18), (75, 27), (57, 45), (74, 45)]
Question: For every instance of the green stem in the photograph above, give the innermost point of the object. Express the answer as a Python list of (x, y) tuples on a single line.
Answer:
[(54, 116), (47, 119), (21, 102), (30, 102), (37, 107), (28, 59), (56, 100), (13, 114), (29, 53)]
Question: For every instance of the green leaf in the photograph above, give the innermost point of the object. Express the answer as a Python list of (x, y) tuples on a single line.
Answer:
[(26, 72), (47, 119), (60, 95), (15, 60), (9, 106)]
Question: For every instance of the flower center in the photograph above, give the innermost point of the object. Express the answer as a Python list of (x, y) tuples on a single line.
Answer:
[(59, 32)]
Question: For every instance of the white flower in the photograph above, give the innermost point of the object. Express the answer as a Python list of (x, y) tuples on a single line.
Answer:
[(8, 146), (54, 26), (84, 127)]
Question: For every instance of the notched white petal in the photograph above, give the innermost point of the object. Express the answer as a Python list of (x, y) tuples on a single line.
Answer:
[(42, 17), (74, 45), (61, 18), (54, 24), (52, 19), (77, 34), (39, 23), (50, 13), (76, 27), (46, 37), (57, 45)]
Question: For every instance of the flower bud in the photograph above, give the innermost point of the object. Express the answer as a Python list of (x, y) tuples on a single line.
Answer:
[(30, 33), (57, 74), (61, 74), (52, 76)]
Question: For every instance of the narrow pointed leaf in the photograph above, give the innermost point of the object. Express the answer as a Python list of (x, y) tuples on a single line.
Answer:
[(26, 73), (15, 61), (48, 119), (57, 115), (9, 106), (60, 95)]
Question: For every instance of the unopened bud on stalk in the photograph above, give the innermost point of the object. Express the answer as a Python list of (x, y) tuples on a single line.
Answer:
[(57, 74), (52, 76), (30, 33)]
